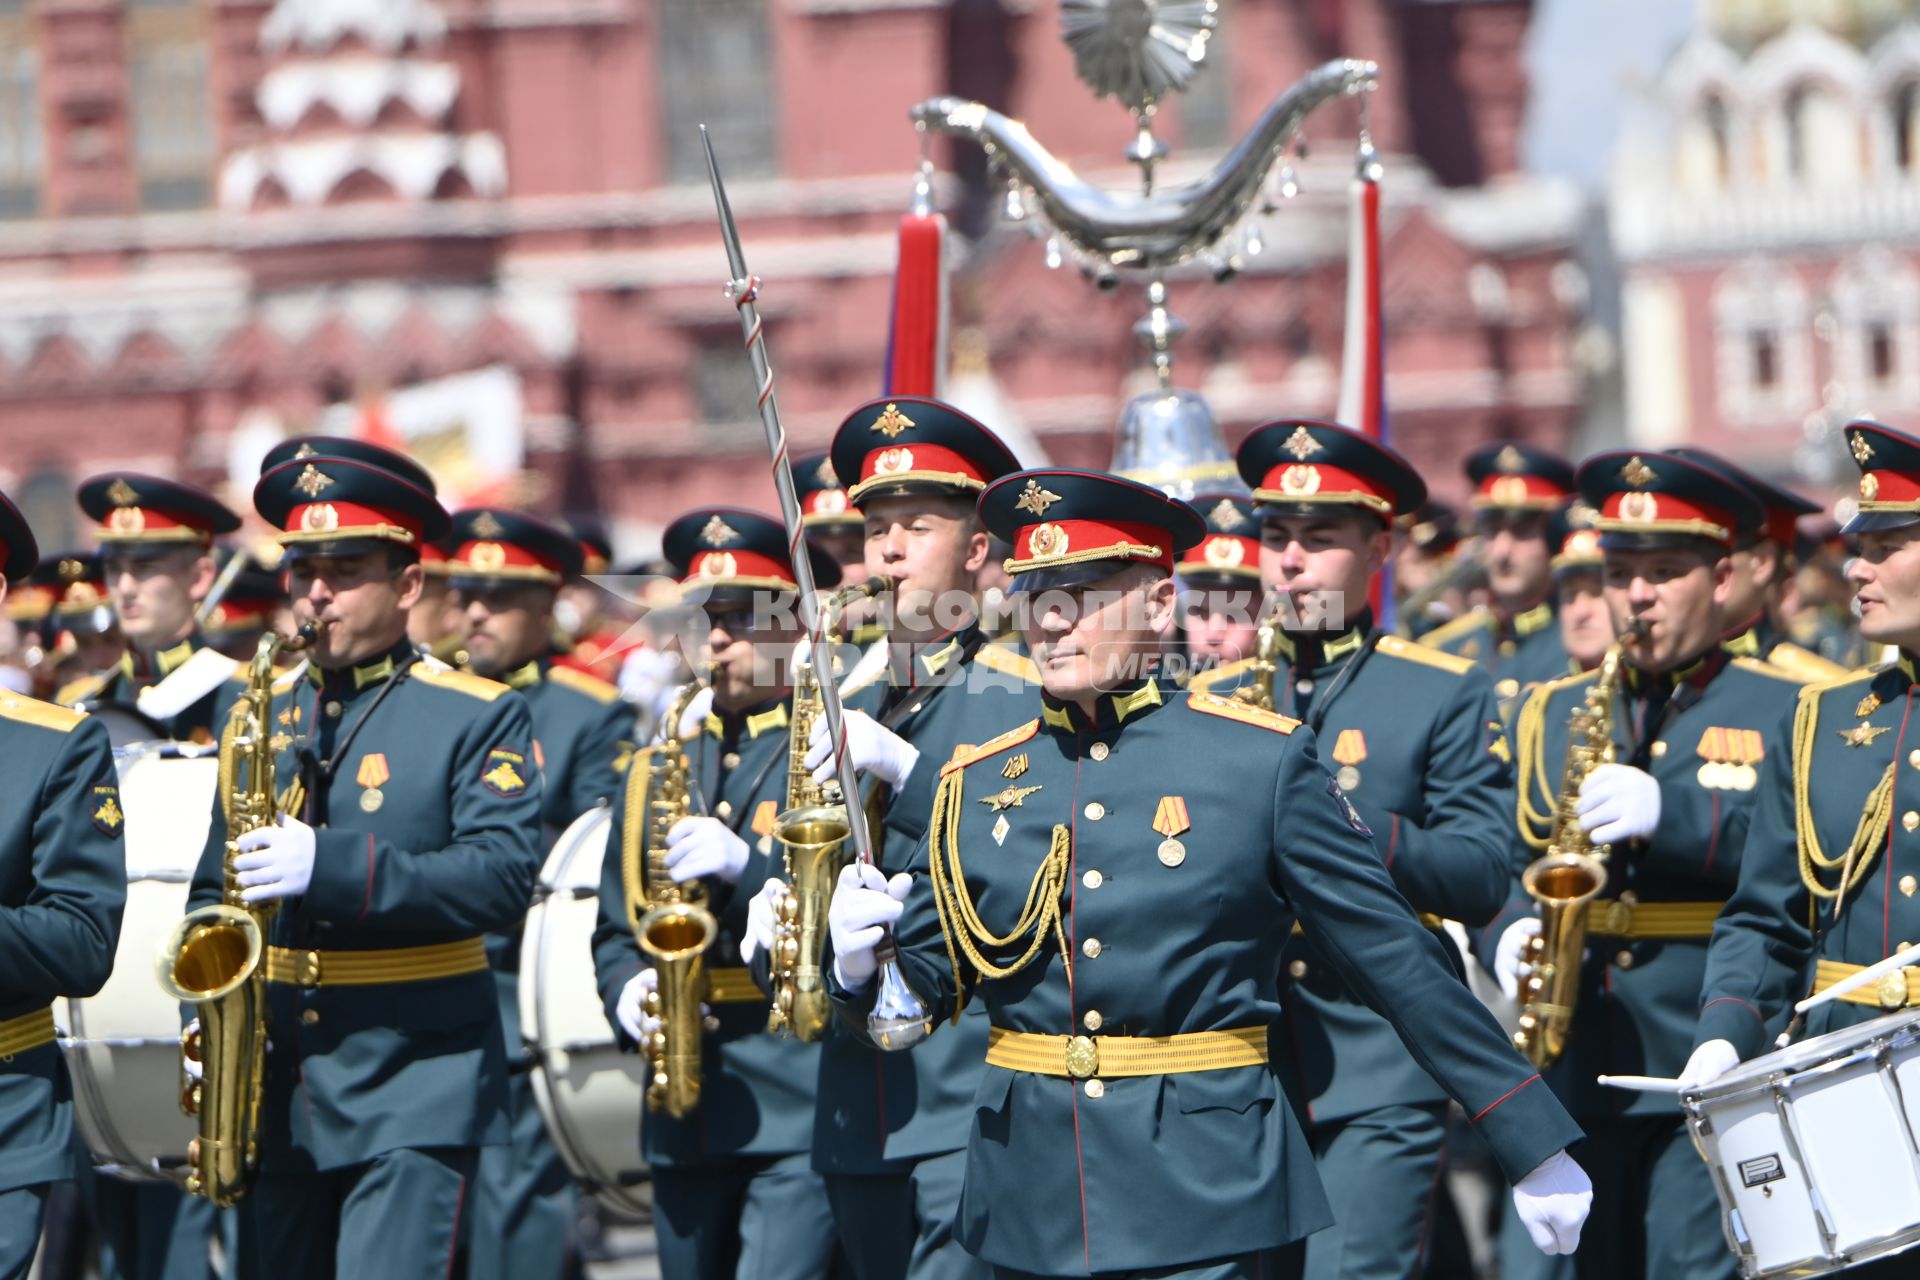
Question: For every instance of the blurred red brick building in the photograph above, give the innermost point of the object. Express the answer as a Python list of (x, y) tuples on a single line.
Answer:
[(220, 217)]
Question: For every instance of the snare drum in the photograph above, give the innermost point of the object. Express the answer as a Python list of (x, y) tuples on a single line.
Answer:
[(1812, 1149), (589, 1093), (122, 1045)]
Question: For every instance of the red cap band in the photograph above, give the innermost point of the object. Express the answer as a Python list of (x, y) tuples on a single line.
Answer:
[(1318, 482), (1055, 542)]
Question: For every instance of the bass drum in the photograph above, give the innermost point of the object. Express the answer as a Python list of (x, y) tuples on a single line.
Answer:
[(122, 1045), (590, 1094)]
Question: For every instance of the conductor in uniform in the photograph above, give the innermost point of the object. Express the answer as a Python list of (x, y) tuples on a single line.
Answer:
[(1119, 900), (508, 568), (63, 885), (1674, 807), (1827, 883), (415, 833)]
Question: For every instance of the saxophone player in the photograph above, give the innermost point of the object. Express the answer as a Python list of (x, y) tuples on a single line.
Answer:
[(508, 568), (1688, 724), (416, 834), (1415, 740), (62, 844), (733, 1183)]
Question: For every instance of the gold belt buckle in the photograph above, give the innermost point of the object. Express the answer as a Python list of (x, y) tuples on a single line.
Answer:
[(1083, 1057), (306, 969), (1617, 918), (1892, 989)]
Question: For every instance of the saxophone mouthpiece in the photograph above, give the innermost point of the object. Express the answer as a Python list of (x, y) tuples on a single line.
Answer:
[(305, 637)]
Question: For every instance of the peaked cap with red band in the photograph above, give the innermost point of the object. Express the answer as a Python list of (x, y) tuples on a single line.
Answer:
[(596, 549), (729, 553), (74, 581), (906, 444), (129, 507), (19, 553), (1073, 527), (1511, 475), (1643, 499), (495, 545), (348, 447), (1299, 462), (251, 602), (1889, 463), (328, 506), (823, 499), (1575, 542), (1781, 509), (1229, 556)]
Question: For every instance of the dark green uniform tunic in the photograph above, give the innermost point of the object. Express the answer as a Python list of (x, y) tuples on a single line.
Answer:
[(423, 789), (1517, 656), (1416, 742), (524, 1200), (891, 1127), (733, 1186), (1099, 1176), (1700, 734), (63, 884)]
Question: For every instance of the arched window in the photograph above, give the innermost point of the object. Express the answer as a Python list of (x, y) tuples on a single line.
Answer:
[(21, 151), (173, 146), (1821, 136), (716, 66), (1876, 309), (1763, 362), (1705, 147)]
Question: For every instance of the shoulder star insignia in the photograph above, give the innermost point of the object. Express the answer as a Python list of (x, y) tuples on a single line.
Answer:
[(313, 481), (1302, 445), (1008, 798), (122, 494), (892, 422), (1637, 473), (1035, 499), (486, 526), (1862, 735), (1867, 705), (1225, 515), (717, 532)]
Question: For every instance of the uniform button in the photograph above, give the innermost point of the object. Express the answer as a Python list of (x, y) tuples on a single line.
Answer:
[(1624, 959), (1093, 879), (1099, 751), (1908, 884), (724, 808), (1090, 948), (1910, 819), (731, 760), (1096, 811), (1659, 749), (1095, 1089), (1913, 757), (332, 708), (1298, 968), (310, 1016), (1303, 687), (1092, 1020)]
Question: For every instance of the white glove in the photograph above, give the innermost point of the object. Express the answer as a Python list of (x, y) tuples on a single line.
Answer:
[(865, 904), (275, 862), (1619, 802), (630, 1008), (1507, 962), (699, 847), (875, 749), (1709, 1062), (761, 911), (1553, 1202), (192, 1066)]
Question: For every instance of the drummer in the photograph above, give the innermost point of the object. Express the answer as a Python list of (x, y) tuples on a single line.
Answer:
[(1835, 835), (156, 539)]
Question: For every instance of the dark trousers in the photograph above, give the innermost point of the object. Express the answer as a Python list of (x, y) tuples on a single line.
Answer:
[(755, 1218), (896, 1225), (1284, 1263), (1382, 1173), (21, 1211), (395, 1217), (524, 1203), (150, 1230), (1655, 1215)]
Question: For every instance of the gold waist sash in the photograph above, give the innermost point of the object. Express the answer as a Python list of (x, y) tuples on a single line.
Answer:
[(1079, 1057), (1652, 920), (28, 1031), (301, 968), (1897, 990)]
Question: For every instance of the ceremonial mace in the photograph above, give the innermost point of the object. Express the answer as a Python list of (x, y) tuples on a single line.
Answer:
[(899, 1019)]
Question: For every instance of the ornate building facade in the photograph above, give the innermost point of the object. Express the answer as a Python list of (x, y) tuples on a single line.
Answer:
[(225, 219), (1766, 217)]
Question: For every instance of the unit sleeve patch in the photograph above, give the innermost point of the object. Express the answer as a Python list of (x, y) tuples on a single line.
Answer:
[(504, 772)]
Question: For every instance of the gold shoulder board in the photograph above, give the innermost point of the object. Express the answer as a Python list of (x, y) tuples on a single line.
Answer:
[(79, 690), (1245, 712), (461, 682), (1219, 675), (583, 682), (1412, 651), (964, 755), (1002, 659), (35, 712)]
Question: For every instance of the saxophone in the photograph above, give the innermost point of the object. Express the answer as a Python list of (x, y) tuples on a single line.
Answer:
[(673, 926), (214, 959), (1266, 647), (812, 832), (1566, 878)]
